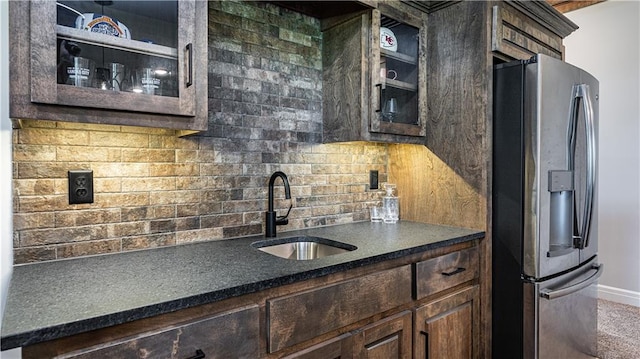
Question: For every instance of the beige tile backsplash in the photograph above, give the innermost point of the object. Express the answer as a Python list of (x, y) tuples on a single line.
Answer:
[(153, 188)]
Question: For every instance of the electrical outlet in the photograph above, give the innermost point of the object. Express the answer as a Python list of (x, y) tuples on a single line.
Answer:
[(373, 179), (80, 186)]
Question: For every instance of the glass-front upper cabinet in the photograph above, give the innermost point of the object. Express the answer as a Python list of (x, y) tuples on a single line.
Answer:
[(143, 57), (398, 73), (374, 75)]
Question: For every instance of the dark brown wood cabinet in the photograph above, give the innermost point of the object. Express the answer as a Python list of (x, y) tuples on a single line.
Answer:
[(303, 316), (388, 338), (124, 63), (372, 312), (452, 318), (449, 327), (374, 66)]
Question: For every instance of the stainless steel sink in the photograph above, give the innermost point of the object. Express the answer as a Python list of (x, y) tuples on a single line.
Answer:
[(302, 247)]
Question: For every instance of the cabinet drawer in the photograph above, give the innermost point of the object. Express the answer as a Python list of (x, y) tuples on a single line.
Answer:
[(227, 335), (436, 274), (519, 37), (301, 316)]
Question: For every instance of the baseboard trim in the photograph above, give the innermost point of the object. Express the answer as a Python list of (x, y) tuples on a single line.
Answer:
[(619, 295)]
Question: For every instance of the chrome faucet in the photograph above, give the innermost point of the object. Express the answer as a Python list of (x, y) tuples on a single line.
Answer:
[(271, 219)]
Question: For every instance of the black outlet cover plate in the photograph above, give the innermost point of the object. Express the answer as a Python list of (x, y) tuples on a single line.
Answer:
[(80, 186), (373, 179)]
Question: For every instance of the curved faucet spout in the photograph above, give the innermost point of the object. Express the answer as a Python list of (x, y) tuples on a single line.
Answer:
[(271, 219), (272, 180)]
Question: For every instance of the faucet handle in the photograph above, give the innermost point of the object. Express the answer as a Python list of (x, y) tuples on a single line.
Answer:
[(283, 219)]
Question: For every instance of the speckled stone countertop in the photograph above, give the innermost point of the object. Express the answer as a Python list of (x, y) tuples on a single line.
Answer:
[(50, 300)]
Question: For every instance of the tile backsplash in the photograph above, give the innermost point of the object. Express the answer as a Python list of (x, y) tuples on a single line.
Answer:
[(153, 188)]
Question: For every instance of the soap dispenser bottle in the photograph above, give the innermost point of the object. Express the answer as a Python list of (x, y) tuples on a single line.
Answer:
[(390, 205)]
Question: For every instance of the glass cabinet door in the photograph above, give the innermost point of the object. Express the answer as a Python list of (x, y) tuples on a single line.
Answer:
[(398, 76), (122, 55)]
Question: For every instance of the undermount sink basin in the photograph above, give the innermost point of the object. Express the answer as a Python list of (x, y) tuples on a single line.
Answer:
[(302, 247)]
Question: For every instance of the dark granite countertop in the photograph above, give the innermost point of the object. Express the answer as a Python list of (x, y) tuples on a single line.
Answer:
[(50, 300)]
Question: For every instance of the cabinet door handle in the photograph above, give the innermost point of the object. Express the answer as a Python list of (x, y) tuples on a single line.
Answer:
[(190, 65), (199, 355), (454, 272), (426, 344)]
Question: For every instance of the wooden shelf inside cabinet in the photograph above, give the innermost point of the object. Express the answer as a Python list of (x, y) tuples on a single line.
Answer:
[(401, 85), (399, 56), (402, 128), (118, 43)]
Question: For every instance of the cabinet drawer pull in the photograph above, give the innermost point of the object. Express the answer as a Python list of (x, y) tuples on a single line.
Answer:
[(199, 355), (454, 272)]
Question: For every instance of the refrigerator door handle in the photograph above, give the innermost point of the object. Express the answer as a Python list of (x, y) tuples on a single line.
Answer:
[(591, 163), (551, 294), (581, 91)]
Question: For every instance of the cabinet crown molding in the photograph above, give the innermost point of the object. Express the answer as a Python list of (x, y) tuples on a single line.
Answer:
[(540, 11), (546, 15)]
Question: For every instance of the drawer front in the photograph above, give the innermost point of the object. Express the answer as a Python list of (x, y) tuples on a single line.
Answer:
[(519, 37), (436, 274), (232, 334), (301, 316)]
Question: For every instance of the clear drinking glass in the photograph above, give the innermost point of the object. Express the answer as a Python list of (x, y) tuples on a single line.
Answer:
[(376, 214), (80, 72)]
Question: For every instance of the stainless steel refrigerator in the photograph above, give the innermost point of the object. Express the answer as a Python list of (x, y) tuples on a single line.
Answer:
[(544, 208)]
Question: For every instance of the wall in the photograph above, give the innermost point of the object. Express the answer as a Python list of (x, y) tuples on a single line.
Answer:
[(6, 216), (155, 189), (608, 46), (446, 181)]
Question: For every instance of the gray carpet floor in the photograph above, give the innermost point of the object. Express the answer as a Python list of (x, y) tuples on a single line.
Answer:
[(618, 330)]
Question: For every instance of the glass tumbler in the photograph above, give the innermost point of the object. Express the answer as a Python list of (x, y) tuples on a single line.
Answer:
[(376, 214)]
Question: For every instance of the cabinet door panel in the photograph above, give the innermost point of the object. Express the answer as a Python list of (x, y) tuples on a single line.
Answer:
[(397, 76), (444, 343), (449, 327), (386, 339), (344, 97)]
